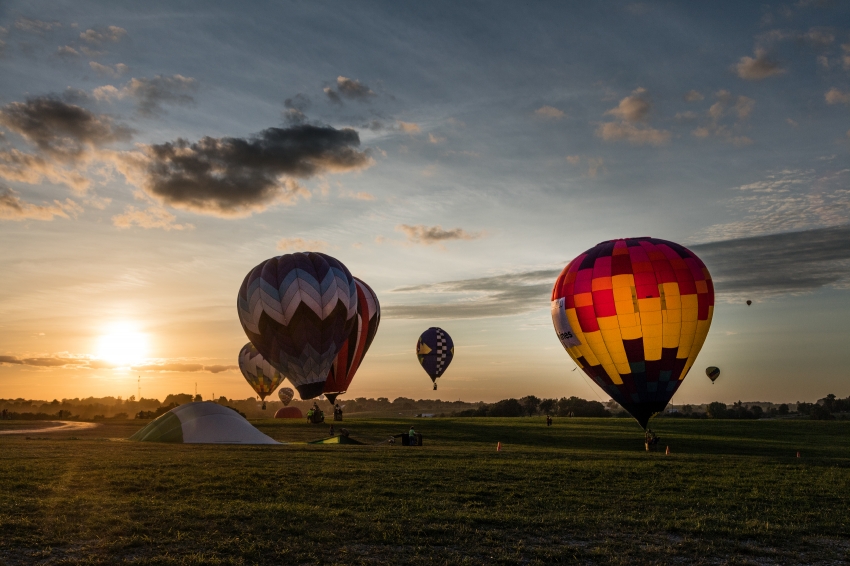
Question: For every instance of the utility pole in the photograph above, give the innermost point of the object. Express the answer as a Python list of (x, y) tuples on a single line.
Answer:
[(139, 390)]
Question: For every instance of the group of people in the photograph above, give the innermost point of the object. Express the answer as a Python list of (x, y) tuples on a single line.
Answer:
[(337, 412), (6, 415), (313, 411), (548, 420)]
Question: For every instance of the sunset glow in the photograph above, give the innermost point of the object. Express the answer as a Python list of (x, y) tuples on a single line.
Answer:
[(122, 345)]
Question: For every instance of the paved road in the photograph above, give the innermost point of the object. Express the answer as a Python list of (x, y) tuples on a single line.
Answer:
[(58, 426)]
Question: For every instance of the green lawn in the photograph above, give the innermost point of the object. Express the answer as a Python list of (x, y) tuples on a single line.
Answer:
[(582, 491)]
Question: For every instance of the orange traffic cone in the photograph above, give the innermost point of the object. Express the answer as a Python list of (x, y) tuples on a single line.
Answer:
[(498, 447), (667, 452)]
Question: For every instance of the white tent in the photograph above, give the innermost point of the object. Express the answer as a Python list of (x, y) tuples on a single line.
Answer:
[(202, 423)]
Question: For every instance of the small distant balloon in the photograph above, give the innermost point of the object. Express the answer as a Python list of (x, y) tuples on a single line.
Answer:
[(749, 303), (286, 394), (435, 351), (713, 373), (258, 372)]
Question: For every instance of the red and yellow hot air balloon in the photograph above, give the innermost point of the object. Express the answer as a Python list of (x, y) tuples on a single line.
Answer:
[(633, 314)]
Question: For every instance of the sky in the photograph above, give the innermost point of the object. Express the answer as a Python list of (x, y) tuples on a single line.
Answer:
[(455, 156)]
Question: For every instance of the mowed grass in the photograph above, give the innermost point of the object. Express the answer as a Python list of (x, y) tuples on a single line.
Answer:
[(583, 491)]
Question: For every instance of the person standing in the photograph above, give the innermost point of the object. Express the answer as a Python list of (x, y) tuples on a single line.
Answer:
[(412, 436)]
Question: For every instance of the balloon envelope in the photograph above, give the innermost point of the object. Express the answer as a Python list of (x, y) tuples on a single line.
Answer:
[(435, 351), (285, 394), (257, 371), (749, 303), (289, 413), (712, 372), (353, 350), (633, 314), (297, 310)]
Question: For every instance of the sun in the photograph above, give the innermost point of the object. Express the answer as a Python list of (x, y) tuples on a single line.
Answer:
[(123, 345)]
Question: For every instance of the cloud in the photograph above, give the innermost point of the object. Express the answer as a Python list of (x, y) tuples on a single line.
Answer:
[(239, 176), (738, 108), (758, 68), (152, 94), (624, 131), (59, 129), (791, 262), (351, 89), (594, 164), (409, 127), (87, 362), (693, 96), (55, 361), (183, 367), (499, 295), (633, 108), (295, 109), (25, 168), (96, 37), (835, 96), (67, 52), (427, 235), (435, 139), (220, 368), (300, 244), (37, 27), (549, 112), (786, 200), (13, 208), (115, 71), (152, 217)]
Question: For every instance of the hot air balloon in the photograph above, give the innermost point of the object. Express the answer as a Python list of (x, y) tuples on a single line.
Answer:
[(297, 310), (258, 372), (286, 394), (713, 373), (749, 302), (435, 351), (355, 347), (633, 314)]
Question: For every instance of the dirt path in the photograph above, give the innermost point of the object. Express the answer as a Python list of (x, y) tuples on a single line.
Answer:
[(58, 426)]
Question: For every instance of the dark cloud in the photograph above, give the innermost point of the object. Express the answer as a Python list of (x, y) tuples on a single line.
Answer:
[(296, 107), (151, 94), (759, 67), (421, 234), (62, 130), (219, 368), (761, 266), (182, 367), (792, 262), (499, 295), (47, 362), (236, 176), (350, 89)]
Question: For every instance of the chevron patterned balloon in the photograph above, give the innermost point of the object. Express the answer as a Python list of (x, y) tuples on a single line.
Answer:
[(352, 351), (258, 372), (297, 310)]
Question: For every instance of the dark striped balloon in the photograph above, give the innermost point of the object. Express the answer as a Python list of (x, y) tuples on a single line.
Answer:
[(297, 310), (435, 351), (713, 373)]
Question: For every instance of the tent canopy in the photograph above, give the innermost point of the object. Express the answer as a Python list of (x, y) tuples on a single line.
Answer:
[(202, 423)]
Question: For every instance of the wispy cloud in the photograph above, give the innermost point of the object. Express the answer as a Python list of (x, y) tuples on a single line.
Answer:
[(350, 89), (152, 217), (499, 295), (97, 36), (300, 245), (549, 112), (783, 201), (13, 208), (427, 235), (631, 112), (151, 94)]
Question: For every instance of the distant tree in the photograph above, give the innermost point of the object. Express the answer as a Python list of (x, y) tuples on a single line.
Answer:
[(178, 399), (530, 403), (783, 409), (757, 411), (820, 413), (687, 409), (716, 410), (198, 398), (506, 408), (548, 406)]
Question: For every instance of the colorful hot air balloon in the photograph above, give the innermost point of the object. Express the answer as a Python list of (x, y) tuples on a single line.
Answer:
[(286, 394), (633, 314), (435, 351), (352, 350), (297, 310), (713, 373), (258, 372)]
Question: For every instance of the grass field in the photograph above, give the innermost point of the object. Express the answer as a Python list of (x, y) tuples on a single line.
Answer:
[(582, 491)]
